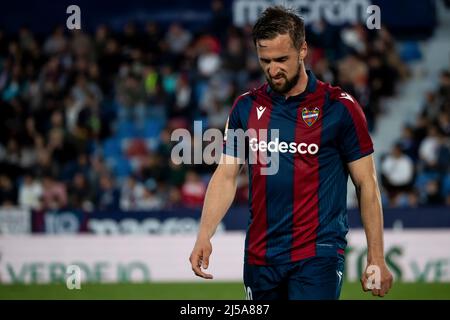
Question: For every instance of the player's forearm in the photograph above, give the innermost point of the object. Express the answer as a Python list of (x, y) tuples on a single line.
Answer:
[(372, 218), (218, 199)]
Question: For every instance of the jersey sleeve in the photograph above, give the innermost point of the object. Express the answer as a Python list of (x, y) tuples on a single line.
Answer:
[(354, 139), (231, 145)]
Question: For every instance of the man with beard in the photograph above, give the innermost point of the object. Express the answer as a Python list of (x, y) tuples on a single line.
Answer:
[(317, 134)]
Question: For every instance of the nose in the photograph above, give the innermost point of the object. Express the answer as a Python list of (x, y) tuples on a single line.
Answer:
[(273, 71)]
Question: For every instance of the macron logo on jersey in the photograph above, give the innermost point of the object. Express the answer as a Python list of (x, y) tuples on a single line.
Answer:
[(347, 96), (259, 111), (283, 147)]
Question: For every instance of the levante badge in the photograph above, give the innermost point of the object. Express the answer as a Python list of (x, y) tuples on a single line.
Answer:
[(310, 116)]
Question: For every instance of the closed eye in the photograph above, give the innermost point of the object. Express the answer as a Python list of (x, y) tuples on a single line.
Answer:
[(282, 59)]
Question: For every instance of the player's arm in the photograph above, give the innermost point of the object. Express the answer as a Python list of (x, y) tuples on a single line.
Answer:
[(363, 175), (219, 197)]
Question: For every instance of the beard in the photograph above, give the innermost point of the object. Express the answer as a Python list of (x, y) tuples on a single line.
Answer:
[(287, 85)]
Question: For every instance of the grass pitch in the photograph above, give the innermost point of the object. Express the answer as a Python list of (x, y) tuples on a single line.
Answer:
[(200, 291)]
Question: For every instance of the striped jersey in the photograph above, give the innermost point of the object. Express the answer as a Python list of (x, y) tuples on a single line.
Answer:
[(297, 150)]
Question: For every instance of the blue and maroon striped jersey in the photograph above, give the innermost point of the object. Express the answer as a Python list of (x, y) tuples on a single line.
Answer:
[(300, 210)]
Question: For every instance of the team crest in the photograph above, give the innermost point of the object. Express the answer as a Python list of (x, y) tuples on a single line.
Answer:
[(310, 116)]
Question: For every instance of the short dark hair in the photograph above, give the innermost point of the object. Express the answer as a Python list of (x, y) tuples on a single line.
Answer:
[(276, 20)]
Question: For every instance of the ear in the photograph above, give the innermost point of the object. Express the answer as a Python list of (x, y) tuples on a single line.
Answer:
[(303, 50)]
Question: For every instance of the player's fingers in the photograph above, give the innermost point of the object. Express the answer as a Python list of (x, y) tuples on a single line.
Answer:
[(375, 292), (391, 281), (385, 286), (205, 263), (196, 262), (198, 272), (205, 259), (194, 258), (364, 283)]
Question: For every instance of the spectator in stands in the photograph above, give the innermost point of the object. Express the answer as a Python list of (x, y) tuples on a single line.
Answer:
[(56, 43), (407, 142), (131, 95), (420, 128), (153, 168), (30, 193), (193, 190), (443, 155), (397, 171), (61, 148), (54, 196), (174, 198), (80, 193), (183, 97), (150, 199), (8, 193), (165, 145), (209, 60), (12, 153), (108, 196), (131, 194), (428, 149), (218, 115), (177, 38), (177, 174), (443, 121), (27, 142), (433, 195), (432, 104)]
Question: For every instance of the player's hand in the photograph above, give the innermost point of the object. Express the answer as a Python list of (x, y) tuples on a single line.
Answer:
[(377, 278), (200, 257)]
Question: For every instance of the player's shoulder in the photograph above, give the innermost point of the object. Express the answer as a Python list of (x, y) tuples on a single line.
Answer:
[(251, 95), (344, 105), (338, 98), (257, 92)]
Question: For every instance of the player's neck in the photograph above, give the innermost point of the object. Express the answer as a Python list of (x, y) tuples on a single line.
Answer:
[(300, 87)]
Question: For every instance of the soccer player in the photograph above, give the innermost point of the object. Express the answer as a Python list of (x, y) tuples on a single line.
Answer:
[(295, 241)]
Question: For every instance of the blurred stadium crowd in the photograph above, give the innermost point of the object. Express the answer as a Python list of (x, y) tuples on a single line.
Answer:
[(86, 117), (417, 170)]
